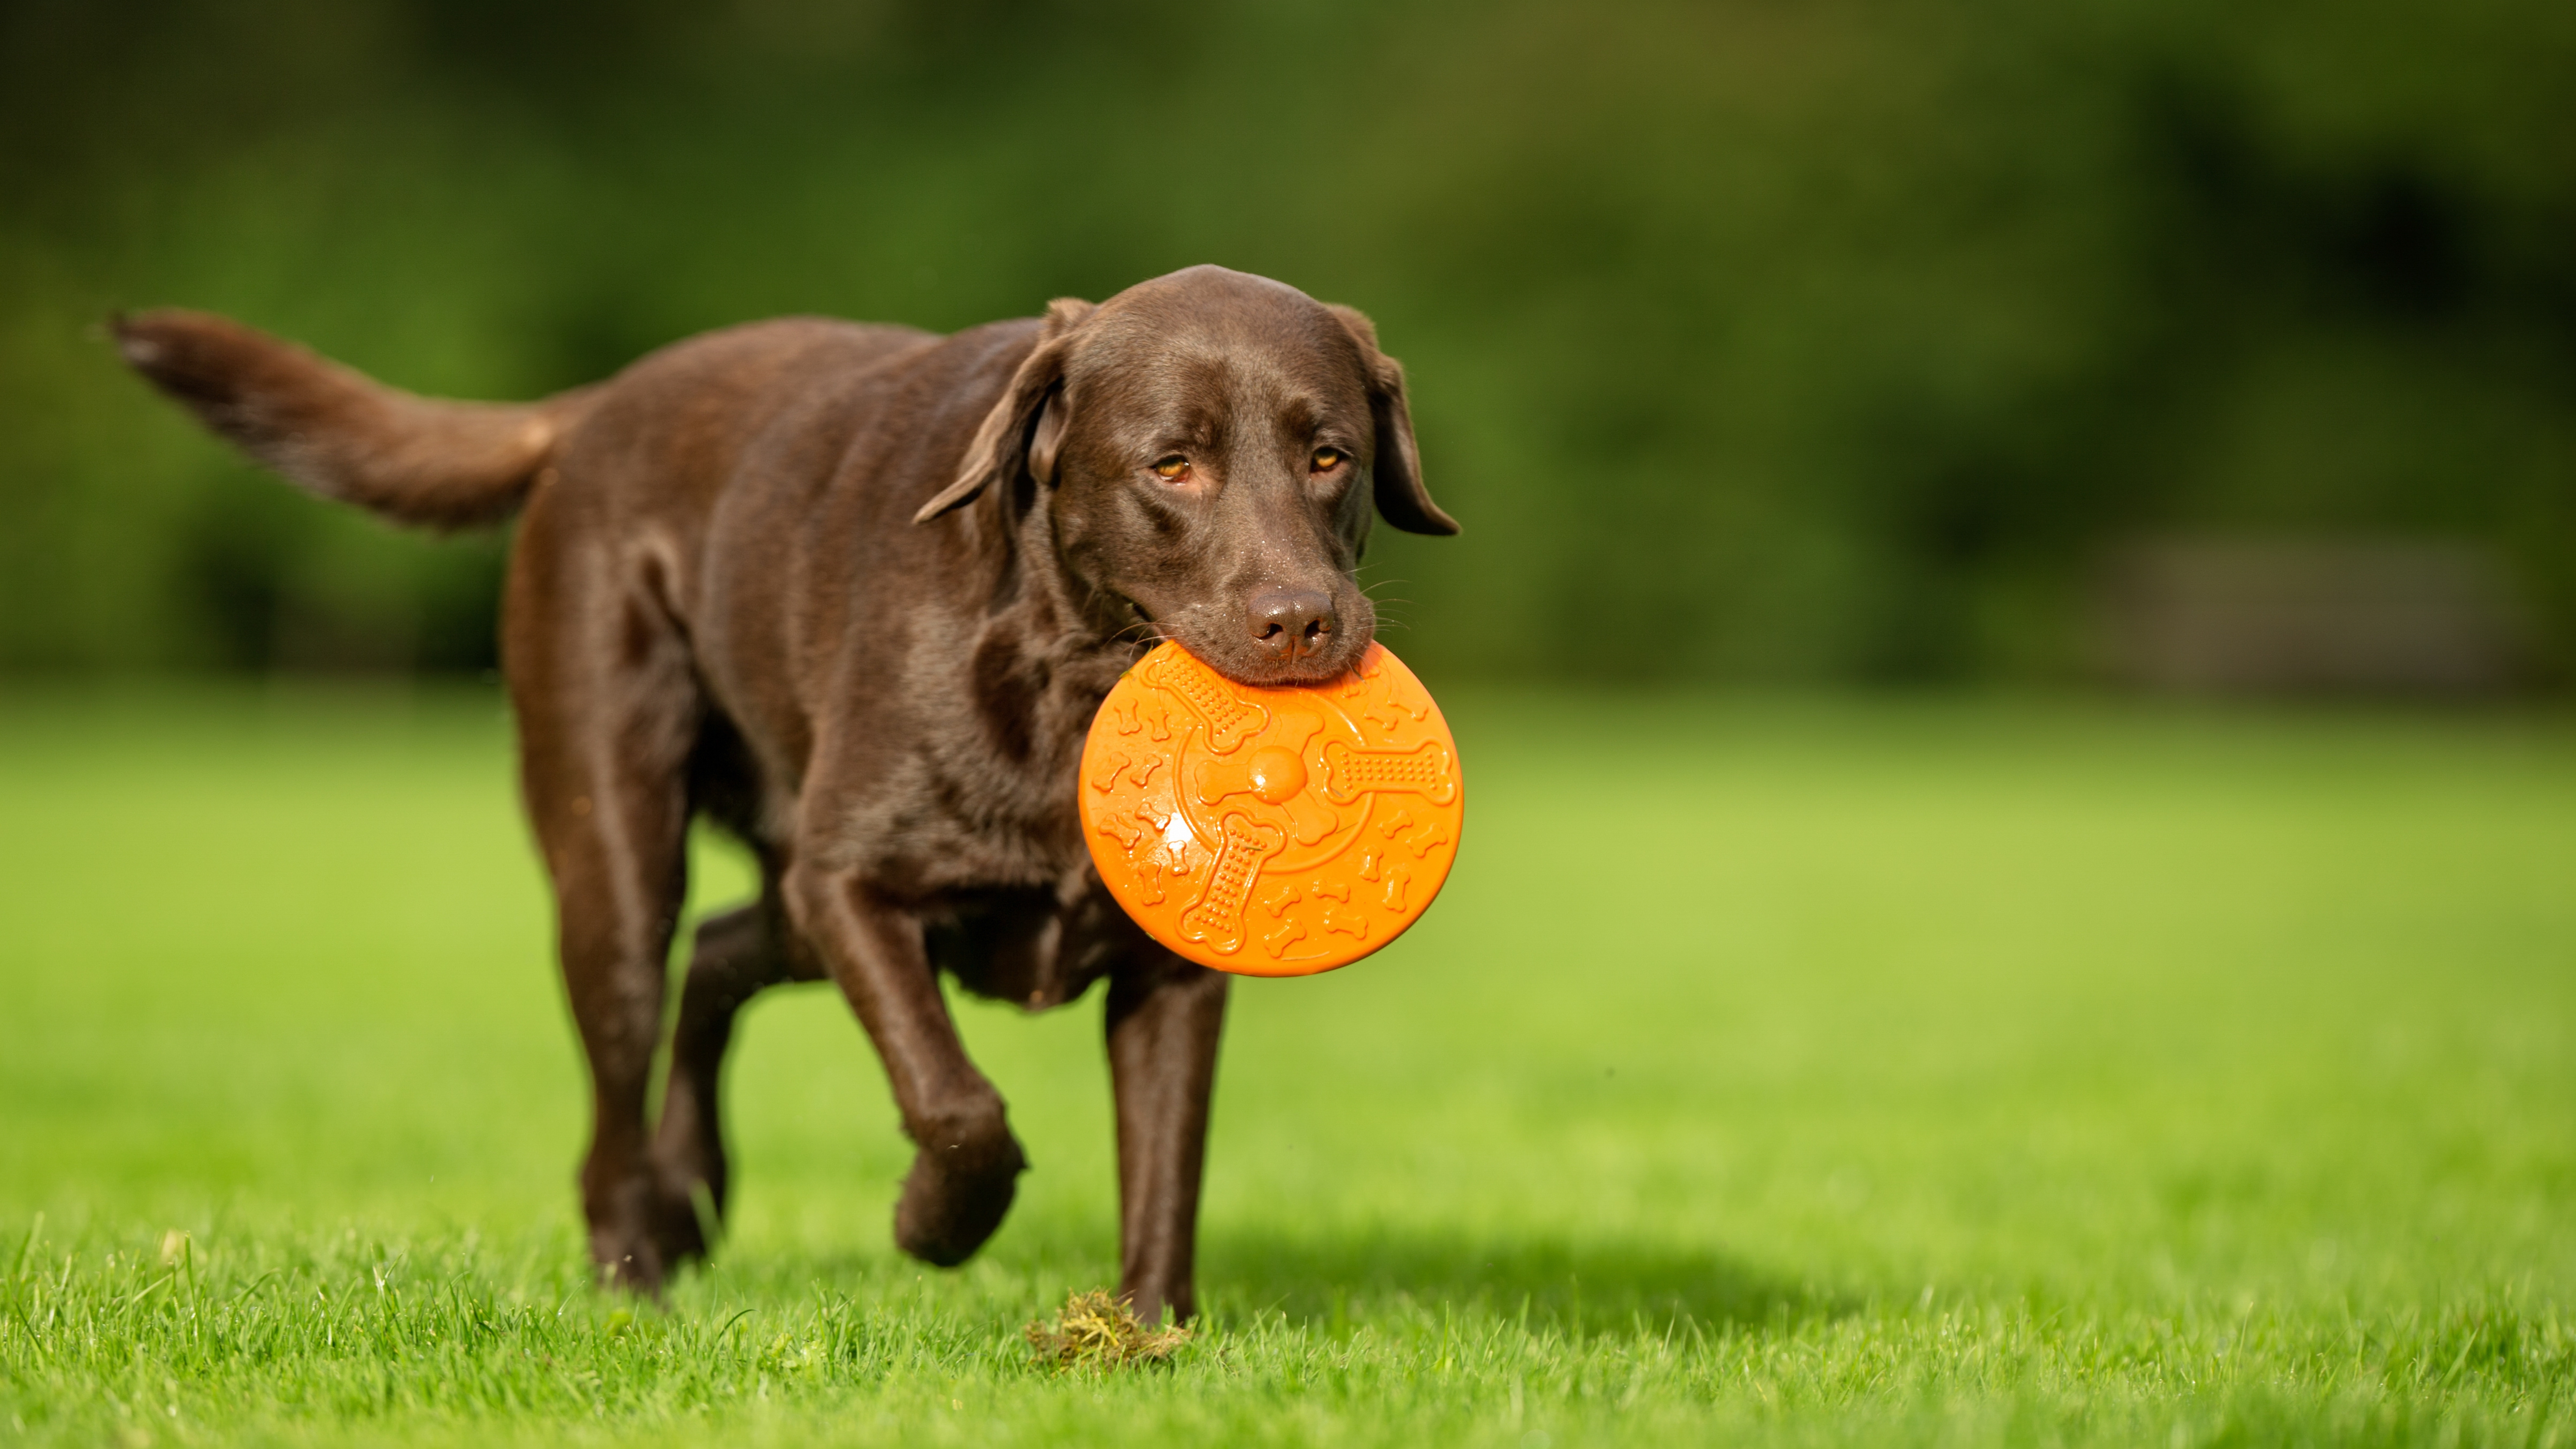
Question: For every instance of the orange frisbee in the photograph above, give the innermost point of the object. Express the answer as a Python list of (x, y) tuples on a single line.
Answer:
[(1271, 832)]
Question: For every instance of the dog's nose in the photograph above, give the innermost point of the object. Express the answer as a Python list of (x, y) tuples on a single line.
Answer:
[(1290, 623)]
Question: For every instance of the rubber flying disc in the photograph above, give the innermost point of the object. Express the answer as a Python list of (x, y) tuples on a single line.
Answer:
[(1271, 832)]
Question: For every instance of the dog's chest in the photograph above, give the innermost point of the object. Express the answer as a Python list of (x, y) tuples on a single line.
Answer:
[(1033, 948), (964, 779)]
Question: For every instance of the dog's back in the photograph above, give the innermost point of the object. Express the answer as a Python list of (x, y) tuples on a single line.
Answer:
[(679, 415)]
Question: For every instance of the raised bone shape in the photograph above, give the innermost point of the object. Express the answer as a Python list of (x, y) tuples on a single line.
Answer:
[(1215, 919), (1422, 770), (1230, 719)]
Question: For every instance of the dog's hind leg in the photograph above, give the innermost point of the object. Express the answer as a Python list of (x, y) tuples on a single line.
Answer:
[(738, 955), (608, 711)]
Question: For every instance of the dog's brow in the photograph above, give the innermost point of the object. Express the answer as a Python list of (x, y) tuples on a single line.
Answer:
[(1189, 414), (1191, 429)]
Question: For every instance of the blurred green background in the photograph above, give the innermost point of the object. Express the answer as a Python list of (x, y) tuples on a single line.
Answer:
[(1823, 342)]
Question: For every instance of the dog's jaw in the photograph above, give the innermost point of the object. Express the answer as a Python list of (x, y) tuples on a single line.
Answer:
[(1202, 630)]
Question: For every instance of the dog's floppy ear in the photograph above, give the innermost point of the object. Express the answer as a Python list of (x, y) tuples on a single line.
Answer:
[(1024, 429), (1401, 498)]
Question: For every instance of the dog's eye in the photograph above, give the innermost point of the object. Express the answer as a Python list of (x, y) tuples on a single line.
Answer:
[(1172, 469), (1327, 459)]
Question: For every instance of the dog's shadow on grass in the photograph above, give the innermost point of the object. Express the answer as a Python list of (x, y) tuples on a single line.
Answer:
[(1588, 1287)]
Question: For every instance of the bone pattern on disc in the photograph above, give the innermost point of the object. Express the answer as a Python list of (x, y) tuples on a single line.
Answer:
[(1271, 832)]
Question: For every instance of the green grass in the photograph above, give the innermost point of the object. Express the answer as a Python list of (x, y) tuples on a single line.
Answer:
[(1769, 1073)]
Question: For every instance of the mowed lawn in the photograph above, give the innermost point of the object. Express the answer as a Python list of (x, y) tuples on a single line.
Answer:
[(1770, 1072)]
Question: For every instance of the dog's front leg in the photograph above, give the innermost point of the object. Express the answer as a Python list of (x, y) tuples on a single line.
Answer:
[(1165, 1015), (964, 1172)]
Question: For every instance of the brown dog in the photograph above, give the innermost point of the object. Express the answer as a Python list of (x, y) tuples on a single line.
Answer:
[(854, 593)]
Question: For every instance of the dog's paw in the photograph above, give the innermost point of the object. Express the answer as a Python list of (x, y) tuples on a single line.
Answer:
[(679, 1235), (628, 1261), (961, 1184), (644, 1235)]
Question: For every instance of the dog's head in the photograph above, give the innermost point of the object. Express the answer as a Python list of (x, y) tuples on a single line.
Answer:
[(1208, 447)]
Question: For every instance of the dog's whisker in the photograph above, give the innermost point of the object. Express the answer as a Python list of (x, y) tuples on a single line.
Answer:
[(1141, 629)]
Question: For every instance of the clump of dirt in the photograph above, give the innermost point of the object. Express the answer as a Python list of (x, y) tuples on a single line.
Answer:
[(1095, 1330)]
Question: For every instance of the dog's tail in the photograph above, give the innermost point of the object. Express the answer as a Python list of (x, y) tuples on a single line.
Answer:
[(344, 435)]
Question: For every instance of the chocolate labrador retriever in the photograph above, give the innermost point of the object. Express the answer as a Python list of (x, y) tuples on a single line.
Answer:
[(854, 594)]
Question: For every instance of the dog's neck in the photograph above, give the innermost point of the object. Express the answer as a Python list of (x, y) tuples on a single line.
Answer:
[(1050, 643), (1065, 615)]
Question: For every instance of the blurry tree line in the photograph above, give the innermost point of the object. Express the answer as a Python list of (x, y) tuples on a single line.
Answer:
[(1827, 340)]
